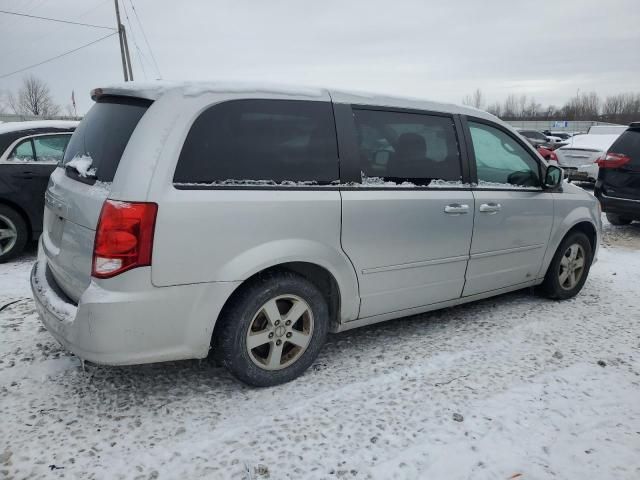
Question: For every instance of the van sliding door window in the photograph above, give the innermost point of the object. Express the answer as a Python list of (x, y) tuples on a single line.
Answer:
[(407, 147)]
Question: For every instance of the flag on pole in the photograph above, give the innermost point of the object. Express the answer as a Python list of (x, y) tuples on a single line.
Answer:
[(73, 102)]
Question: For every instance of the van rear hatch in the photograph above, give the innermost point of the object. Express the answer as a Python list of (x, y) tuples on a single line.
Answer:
[(78, 188)]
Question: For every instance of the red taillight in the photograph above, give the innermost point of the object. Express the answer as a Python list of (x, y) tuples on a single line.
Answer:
[(613, 160), (553, 157), (124, 237)]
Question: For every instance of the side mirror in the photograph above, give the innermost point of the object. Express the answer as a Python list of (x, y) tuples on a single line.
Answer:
[(553, 177)]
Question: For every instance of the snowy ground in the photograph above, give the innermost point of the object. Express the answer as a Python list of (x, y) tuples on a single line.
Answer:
[(511, 387)]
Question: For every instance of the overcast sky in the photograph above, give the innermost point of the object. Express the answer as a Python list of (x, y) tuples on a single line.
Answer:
[(441, 50)]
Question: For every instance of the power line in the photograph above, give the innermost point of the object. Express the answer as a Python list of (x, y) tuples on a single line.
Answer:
[(135, 42), (4, 75), (55, 20), (34, 39), (153, 57)]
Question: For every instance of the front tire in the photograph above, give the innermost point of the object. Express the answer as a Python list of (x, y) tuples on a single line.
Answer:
[(13, 233), (569, 268), (617, 220), (273, 329)]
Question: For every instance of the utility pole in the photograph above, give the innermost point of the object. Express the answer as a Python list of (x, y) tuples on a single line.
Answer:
[(124, 47), (126, 52)]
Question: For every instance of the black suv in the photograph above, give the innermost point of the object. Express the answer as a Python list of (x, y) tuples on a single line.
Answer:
[(618, 184), (29, 152)]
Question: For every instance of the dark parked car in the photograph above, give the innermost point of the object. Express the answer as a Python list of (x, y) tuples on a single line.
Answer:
[(29, 152), (618, 184), (535, 138)]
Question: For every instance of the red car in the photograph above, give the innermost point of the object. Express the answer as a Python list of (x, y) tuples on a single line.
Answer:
[(548, 155)]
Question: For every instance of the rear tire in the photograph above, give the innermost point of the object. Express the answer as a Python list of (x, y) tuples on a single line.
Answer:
[(615, 219), (13, 233), (272, 330), (569, 268)]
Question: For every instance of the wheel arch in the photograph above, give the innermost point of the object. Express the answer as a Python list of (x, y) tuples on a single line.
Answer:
[(589, 230), (318, 275), (583, 223)]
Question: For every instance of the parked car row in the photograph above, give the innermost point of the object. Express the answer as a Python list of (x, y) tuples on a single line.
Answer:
[(29, 153), (253, 220), (575, 153), (618, 184)]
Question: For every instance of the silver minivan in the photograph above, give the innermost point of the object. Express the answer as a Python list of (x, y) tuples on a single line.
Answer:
[(250, 221)]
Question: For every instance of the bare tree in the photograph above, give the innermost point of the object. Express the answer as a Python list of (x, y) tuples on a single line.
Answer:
[(476, 99), (495, 109), (621, 108), (34, 98), (551, 112), (584, 106), (511, 106), (69, 111)]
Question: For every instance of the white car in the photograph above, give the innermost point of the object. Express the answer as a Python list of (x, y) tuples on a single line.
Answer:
[(579, 156)]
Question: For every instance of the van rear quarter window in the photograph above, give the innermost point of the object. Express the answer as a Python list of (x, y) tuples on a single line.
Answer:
[(104, 133), (261, 140)]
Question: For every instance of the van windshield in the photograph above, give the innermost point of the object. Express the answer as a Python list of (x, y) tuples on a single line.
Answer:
[(103, 134)]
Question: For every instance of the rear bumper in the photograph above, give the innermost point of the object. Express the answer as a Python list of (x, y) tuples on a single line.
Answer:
[(620, 206), (135, 324)]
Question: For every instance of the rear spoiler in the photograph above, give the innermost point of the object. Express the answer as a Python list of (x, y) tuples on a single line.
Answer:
[(634, 125), (143, 92)]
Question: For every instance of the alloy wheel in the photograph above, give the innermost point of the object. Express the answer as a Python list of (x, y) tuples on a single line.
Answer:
[(571, 267), (8, 234), (280, 332)]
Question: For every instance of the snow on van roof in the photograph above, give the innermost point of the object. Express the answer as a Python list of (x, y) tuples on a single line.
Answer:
[(154, 90), (31, 124)]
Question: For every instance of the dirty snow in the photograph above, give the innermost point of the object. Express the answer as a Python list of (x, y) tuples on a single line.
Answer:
[(510, 387)]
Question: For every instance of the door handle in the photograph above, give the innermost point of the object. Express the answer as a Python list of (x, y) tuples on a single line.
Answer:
[(456, 208), (490, 208)]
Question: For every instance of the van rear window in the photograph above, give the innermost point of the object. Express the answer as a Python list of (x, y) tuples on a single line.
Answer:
[(104, 133)]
